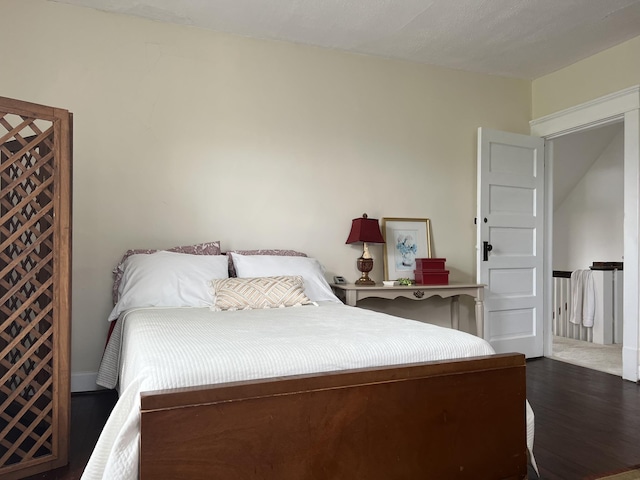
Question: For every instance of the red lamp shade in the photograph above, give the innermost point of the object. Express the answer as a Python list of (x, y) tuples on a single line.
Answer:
[(365, 230)]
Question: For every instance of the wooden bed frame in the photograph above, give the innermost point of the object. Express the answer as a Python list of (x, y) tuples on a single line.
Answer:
[(438, 420)]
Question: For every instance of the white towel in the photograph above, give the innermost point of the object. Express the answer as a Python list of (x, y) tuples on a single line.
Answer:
[(583, 298), (576, 297)]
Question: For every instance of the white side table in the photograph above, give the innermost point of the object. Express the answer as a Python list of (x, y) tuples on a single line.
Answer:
[(351, 293)]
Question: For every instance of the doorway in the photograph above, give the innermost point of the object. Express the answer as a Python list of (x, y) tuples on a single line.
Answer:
[(621, 106), (588, 208)]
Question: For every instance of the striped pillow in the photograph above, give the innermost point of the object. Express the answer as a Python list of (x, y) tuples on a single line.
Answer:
[(259, 292)]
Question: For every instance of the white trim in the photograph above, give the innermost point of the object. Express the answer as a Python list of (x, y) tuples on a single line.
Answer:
[(547, 269), (603, 110), (631, 272), (623, 105), (84, 382)]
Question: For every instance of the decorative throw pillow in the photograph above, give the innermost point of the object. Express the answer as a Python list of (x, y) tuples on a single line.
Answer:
[(207, 248), (260, 292)]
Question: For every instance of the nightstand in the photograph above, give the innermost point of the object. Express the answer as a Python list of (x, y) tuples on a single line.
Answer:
[(351, 294)]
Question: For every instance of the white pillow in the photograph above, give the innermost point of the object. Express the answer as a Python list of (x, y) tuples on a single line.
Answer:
[(167, 279), (316, 286)]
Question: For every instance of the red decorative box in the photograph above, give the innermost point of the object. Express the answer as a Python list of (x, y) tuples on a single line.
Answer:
[(431, 277), (430, 263)]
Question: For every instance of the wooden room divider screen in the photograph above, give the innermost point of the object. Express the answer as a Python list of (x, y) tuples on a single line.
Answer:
[(35, 281)]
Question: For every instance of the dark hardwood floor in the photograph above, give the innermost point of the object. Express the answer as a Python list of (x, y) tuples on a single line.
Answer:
[(587, 422)]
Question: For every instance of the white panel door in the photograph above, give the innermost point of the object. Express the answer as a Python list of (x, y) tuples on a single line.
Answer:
[(510, 240)]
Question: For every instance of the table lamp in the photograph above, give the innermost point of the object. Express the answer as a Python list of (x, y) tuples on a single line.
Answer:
[(365, 230)]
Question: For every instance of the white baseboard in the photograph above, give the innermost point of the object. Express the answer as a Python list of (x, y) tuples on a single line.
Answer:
[(84, 382)]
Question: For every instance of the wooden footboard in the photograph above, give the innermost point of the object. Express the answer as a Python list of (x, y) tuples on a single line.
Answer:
[(438, 420)]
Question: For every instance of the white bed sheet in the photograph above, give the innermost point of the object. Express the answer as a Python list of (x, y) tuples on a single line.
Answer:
[(179, 347)]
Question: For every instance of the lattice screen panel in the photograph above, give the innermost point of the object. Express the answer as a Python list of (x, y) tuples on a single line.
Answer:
[(28, 419)]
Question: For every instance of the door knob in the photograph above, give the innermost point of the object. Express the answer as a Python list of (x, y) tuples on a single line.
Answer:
[(486, 248)]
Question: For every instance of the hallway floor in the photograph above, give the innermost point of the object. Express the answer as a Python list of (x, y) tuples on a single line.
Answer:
[(603, 358)]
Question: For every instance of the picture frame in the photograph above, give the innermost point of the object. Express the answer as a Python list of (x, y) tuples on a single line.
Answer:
[(405, 240)]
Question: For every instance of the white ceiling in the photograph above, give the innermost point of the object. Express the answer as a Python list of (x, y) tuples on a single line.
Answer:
[(515, 38)]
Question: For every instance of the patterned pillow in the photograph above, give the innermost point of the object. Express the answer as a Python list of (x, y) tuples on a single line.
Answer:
[(260, 292), (208, 248), (281, 253)]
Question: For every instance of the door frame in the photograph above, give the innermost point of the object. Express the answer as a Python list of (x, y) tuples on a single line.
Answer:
[(619, 106)]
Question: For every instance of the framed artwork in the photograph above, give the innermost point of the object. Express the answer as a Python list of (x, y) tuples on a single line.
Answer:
[(405, 240)]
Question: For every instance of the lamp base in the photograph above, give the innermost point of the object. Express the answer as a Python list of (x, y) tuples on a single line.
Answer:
[(365, 265), (365, 280)]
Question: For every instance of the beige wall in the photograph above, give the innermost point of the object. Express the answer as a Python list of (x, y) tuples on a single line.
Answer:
[(606, 72), (184, 135)]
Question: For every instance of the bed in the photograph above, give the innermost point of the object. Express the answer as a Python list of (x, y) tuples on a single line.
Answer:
[(314, 389)]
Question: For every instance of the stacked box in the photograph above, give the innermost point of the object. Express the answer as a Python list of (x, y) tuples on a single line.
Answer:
[(431, 271)]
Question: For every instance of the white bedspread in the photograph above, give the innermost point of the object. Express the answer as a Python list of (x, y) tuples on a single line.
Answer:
[(178, 347)]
